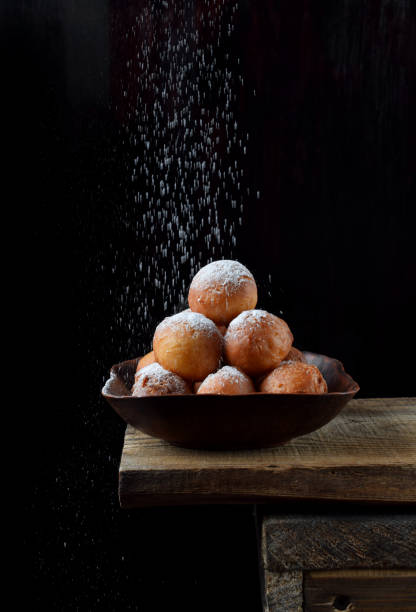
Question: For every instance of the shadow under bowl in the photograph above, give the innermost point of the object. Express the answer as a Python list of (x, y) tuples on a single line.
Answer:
[(230, 422)]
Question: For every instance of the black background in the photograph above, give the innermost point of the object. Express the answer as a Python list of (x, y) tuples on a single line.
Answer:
[(333, 153)]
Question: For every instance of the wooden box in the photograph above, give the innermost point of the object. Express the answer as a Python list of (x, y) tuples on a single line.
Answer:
[(323, 563)]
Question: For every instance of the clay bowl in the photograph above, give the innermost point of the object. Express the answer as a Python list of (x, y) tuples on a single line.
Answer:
[(258, 420)]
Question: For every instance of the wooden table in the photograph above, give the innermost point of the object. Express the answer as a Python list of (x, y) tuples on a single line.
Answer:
[(314, 562), (366, 454)]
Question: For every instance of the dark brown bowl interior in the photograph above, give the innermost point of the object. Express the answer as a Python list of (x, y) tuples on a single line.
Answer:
[(258, 420)]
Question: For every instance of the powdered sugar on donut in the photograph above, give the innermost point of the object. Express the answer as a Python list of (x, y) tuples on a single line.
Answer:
[(222, 275), (254, 318), (227, 381), (193, 321), (257, 341), (294, 377), (155, 380), (229, 374)]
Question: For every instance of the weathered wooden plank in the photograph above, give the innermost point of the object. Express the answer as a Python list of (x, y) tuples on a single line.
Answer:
[(338, 542), (283, 592), (366, 454), (363, 590)]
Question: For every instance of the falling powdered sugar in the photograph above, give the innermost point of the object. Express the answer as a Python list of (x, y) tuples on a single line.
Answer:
[(185, 146)]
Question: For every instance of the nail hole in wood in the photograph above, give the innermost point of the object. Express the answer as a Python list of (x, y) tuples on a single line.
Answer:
[(341, 603)]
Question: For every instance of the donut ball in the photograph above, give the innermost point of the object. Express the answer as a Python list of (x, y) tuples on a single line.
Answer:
[(257, 341), (188, 344), (294, 377), (295, 355), (227, 381), (155, 380), (221, 290), (146, 360)]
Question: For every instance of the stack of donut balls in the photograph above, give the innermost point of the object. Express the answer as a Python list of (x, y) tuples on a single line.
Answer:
[(223, 345)]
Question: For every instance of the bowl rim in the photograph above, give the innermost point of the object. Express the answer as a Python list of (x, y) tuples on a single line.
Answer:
[(353, 390)]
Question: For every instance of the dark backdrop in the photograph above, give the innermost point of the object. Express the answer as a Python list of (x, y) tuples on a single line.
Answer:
[(333, 156)]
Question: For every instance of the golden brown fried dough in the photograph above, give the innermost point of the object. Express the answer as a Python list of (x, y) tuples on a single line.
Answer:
[(257, 341), (146, 360), (227, 381), (294, 377), (295, 355), (221, 290), (188, 344), (155, 380)]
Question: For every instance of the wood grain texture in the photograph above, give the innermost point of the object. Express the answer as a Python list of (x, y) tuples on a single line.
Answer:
[(363, 590), (338, 542), (283, 592), (366, 454)]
